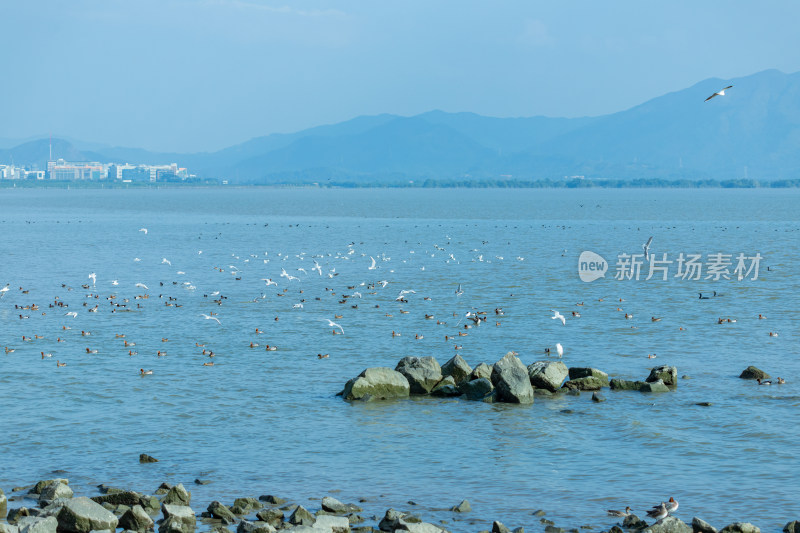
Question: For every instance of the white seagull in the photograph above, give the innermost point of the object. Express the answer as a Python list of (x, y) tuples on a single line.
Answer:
[(559, 349), (144, 230), (4, 290), (288, 276), (164, 260), (93, 277), (559, 316), (721, 92), (646, 248), (207, 317), (333, 324), (142, 286), (372, 266), (268, 281)]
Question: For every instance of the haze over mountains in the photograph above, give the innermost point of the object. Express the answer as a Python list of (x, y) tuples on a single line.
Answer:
[(751, 132)]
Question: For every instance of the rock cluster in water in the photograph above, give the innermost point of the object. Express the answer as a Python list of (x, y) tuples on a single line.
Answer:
[(508, 380), (58, 511)]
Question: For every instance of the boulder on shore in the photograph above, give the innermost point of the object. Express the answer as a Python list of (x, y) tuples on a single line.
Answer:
[(332, 505), (38, 524), (752, 372), (458, 368), (701, 526), (547, 375), (377, 383), (446, 387), (178, 495), (792, 527), (656, 386), (136, 519), (511, 381), (81, 515), (177, 518), (422, 373)]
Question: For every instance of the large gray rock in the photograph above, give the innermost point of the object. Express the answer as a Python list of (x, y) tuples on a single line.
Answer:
[(480, 389), (54, 491), (417, 527), (578, 372), (511, 381), (752, 372), (38, 524), (422, 373), (740, 527), (220, 511), (669, 524), (3, 504), (390, 519), (332, 505), (791, 527), (701, 526), (547, 375), (633, 522), (458, 368), (332, 524), (302, 517), (667, 374), (273, 517), (177, 519), (136, 519), (40, 485), (589, 383), (446, 388), (14, 515), (245, 526), (8, 528), (178, 495), (463, 507), (481, 371), (377, 383), (81, 515)]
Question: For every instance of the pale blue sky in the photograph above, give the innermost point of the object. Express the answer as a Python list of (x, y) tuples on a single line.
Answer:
[(192, 75)]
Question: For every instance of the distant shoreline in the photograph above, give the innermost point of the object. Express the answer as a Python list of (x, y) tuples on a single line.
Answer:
[(426, 184)]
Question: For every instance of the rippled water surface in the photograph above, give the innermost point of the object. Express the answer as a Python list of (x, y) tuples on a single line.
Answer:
[(261, 422)]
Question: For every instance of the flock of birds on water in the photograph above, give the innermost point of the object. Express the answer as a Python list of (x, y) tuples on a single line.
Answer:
[(290, 284)]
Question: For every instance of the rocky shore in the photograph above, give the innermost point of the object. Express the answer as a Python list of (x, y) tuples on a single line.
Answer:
[(50, 506), (507, 380)]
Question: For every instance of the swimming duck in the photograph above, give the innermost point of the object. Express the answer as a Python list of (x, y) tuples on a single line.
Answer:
[(626, 512)]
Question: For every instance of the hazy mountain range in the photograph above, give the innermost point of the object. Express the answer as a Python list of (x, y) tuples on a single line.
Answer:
[(753, 131)]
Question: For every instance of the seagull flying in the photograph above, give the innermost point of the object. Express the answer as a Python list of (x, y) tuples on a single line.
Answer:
[(559, 316), (721, 92), (372, 266), (208, 317), (459, 290), (93, 277), (333, 324), (142, 285), (164, 260), (144, 230), (646, 248)]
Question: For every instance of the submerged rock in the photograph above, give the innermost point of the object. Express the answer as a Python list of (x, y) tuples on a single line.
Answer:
[(463, 507), (422, 373), (511, 381), (458, 368), (377, 383), (582, 372), (624, 384), (586, 383), (41, 485), (144, 458), (792, 527), (547, 375), (752, 372), (273, 500), (656, 386), (127, 497)]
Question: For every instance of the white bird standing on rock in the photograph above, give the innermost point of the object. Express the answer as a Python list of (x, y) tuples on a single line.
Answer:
[(559, 316)]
